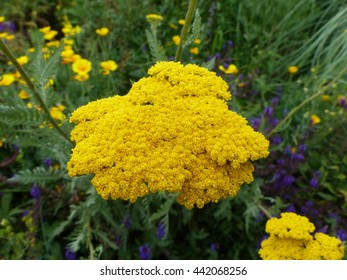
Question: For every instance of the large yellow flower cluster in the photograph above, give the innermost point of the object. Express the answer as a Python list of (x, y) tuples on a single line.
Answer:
[(172, 132), (290, 239)]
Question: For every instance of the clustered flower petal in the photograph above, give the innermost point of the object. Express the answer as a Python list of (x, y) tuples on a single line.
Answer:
[(290, 239), (172, 132)]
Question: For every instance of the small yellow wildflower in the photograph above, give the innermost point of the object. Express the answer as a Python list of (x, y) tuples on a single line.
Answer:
[(49, 83), (103, 31), (81, 77), (154, 18), (68, 42), (194, 50), (22, 60), (232, 69), (197, 41), (50, 35), (6, 36), (174, 132), (293, 69), (325, 97), (31, 50), (2, 19), (23, 95), (176, 39), (7, 79), (315, 119), (108, 66), (45, 30), (57, 112), (81, 66), (9, 37), (54, 43), (181, 22)]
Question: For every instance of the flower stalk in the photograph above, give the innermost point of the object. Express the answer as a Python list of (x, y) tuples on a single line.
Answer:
[(185, 29), (32, 86)]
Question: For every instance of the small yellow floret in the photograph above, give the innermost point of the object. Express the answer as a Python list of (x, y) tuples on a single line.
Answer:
[(103, 31)]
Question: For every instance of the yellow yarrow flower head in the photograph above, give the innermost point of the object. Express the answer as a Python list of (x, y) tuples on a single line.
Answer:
[(291, 239), (172, 132), (293, 69), (81, 66), (103, 31), (290, 225)]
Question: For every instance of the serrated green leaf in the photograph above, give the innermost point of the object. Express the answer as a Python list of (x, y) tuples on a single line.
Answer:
[(157, 51), (209, 64), (38, 175), (20, 115)]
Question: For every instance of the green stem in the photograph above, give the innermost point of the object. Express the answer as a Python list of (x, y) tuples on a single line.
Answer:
[(31, 85), (312, 97), (185, 29), (265, 211)]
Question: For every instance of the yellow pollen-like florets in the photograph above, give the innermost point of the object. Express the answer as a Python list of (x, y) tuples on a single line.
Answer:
[(172, 132), (290, 239)]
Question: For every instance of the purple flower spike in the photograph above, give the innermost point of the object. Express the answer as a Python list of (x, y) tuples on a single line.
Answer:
[(35, 191), (145, 252)]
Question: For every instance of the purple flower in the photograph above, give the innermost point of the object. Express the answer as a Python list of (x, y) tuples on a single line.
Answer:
[(276, 140), (217, 55), (47, 162), (25, 213), (274, 121), (341, 234), (255, 123), (279, 90), (302, 148), (314, 182), (161, 231), (35, 191), (287, 150), (69, 254), (291, 208), (288, 180), (297, 157), (268, 111), (275, 101), (145, 252), (230, 43), (343, 102), (215, 247)]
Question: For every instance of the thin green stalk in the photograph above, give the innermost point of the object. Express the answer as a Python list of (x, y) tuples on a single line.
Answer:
[(31, 85), (309, 99), (185, 29), (265, 211)]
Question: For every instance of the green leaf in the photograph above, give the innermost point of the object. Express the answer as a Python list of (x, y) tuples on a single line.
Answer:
[(209, 64), (38, 175), (20, 115), (157, 51)]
